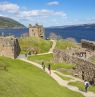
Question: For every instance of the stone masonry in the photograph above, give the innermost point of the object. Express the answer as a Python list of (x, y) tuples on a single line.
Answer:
[(83, 69), (9, 47), (36, 31), (90, 45)]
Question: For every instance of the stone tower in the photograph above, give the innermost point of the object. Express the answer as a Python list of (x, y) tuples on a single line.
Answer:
[(9, 47), (36, 31)]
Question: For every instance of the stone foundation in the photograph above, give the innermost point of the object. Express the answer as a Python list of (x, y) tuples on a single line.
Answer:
[(83, 69)]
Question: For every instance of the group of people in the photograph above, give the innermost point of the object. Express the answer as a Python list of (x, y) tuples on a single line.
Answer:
[(49, 67)]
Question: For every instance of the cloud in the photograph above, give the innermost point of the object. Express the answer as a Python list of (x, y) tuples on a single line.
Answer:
[(43, 12), (24, 15), (53, 3), (9, 7)]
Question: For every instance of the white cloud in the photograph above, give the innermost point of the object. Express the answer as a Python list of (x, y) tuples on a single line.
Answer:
[(43, 12), (26, 16), (53, 3), (9, 7)]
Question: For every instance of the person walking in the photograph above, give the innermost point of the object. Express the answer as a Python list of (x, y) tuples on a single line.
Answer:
[(49, 68), (43, 66), (26, 55), (86, 83)]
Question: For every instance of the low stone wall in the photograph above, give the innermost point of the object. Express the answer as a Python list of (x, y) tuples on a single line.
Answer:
[(84, 69)]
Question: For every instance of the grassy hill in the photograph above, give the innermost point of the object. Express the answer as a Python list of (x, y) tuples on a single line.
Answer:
[(9, 23), (25, 80), (37, 43), (64, 44)]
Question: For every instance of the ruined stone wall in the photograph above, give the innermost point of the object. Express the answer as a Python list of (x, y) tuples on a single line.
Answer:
[(9, 47), (90, 45), (16, 48), (84, 69)]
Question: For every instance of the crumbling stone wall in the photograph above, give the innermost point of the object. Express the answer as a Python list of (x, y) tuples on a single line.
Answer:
[(9, 47), (90, 45), (84, 69)]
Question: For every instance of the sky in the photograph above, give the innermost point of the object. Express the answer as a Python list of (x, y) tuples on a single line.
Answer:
[(49, 12)]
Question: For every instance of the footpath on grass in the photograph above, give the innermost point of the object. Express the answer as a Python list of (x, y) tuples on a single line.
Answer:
[(58, 79), (51, 49)]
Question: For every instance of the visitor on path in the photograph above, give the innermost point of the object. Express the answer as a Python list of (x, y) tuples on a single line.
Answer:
[(49, 68), (25, 55), (86, 83), (43, 66)]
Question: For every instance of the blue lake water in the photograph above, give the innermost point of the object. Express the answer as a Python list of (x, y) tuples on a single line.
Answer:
[(15, 32), (75, 32)]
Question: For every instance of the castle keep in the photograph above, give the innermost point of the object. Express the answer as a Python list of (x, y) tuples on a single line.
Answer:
[(36, 31), (9, 47)]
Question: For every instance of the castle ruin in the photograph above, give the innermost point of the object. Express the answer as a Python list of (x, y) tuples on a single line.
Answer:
[(36, 31), (9, 47), (90, 45), (84, 69)]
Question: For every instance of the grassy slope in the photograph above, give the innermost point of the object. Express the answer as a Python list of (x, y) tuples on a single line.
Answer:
[(33, 42), (80, 85), (64, 44), (64, 77), (48, 58), (25, 80)]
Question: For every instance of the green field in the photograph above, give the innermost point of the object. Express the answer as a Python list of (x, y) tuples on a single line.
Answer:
[(25, 80), (40, 58), (48, 58), (64, 77), (37, 43), (64, 44), (80, 85)]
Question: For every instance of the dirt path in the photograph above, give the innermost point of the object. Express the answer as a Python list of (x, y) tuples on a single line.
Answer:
[(53, 46), (59, 80), (51, 49)]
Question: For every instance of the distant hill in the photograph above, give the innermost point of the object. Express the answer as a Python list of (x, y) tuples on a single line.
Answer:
[(6, 22), (75, 26), (78, 32)]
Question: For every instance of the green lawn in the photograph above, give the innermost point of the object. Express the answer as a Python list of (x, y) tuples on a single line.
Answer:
[(62, 65), (37, 43), (66, 71), (25, 80), (64, 44), (64, 77), (48, 58), (80, 85), (40, 58)]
